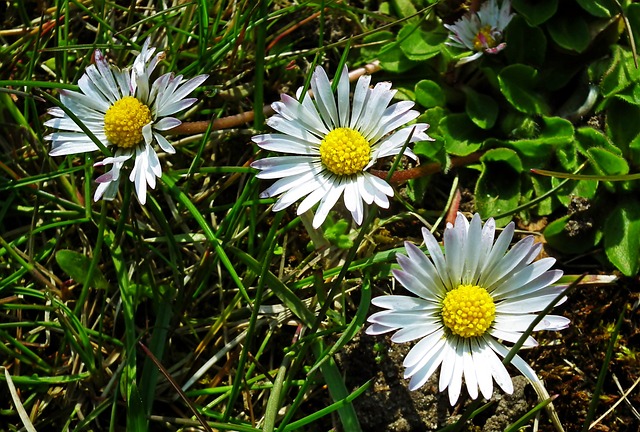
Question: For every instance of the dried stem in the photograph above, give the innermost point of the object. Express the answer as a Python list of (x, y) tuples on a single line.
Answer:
[(426, 169)]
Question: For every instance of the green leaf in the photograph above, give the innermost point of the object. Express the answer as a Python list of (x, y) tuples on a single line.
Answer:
[(418, 45), (76, 265), (634, 150), (481, 109), (588, 138), (392, 59), (518, 85), (583, 188), (498, 187), (535, 11), (622, 126), (542, 185), (525, 44), (607, 163), (622, 237), (404, 8), (460, 135), (571, 32), (554, 132), (371, 52), (429, 94), (563, 239), (619, 74), (600, 8)]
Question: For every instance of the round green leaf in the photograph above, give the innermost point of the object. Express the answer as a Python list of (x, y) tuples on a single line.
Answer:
[(607, 163), (622, 123), (622, 237), (525, 44), (600, 8), (559, 236), (418, 45), (429, 94), (392, 59), (481, 109), (518, 85), (498, 187), (535, 11), (460, 135), (570, 32)]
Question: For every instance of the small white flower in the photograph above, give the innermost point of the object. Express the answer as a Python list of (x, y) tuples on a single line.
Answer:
[(469, 298), (332, 145), (124, 111), (481, 31)]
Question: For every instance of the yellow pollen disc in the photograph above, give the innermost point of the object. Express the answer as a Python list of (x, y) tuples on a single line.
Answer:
[(468, 311), (484, 39), (124, 120), (344, 151)]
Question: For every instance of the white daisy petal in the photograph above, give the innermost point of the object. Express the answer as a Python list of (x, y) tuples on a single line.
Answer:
[(283, 166), (533, 285), (284, 184), (456, 319), (469, 368), (498, 371), (448, 364), (360, 99), (481, 365), (473, 250), (63, 148), (437, 257), (343, 98), (420, 376), (398, 302), (496, 252), (378, 329), (324, 98), (520, 278), (455, 384), (285, 144), (513, 337), (167, 123), (454, 240), (412, 332), (297, 192), (379, 98), (163, 143), (327, 203), (423, 351)]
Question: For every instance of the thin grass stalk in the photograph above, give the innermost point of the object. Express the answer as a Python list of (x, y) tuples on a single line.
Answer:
[(597, 391), (266, 262), (86, 286)]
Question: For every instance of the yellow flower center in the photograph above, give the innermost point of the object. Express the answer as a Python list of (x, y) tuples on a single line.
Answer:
[(484, 39), (468, 311), (344, 151), (124, 120)]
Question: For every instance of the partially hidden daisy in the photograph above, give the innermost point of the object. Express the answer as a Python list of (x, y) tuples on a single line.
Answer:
[(482, 31), (123, 110), (331, 144), (469, 298)]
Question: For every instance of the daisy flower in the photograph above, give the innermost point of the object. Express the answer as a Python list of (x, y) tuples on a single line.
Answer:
[(468, 299), (123, 111), (481, 31), (332, 143)]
